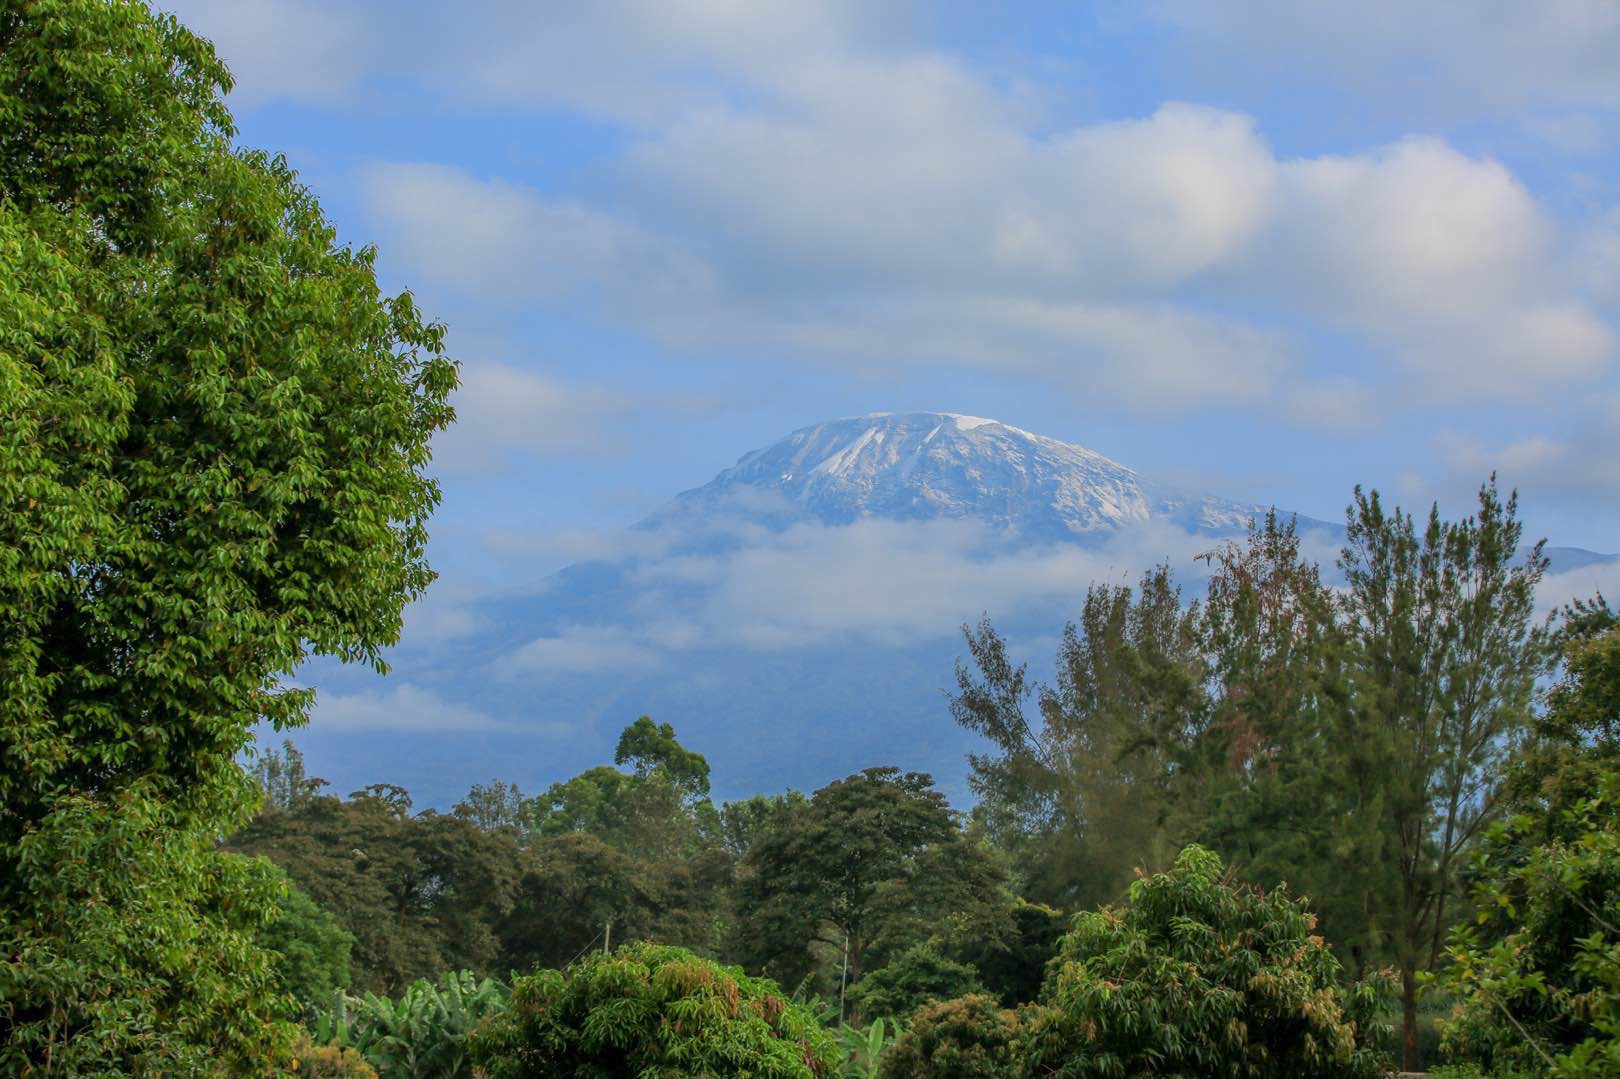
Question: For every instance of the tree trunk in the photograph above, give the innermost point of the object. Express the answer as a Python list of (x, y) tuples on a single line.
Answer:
[(1409, 1045)]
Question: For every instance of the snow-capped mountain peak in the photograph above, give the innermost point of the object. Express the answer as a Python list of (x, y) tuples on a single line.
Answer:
[(927, 465)]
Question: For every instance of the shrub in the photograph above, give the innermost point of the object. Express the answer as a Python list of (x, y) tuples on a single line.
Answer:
[(310, 948), (1198, 976), (652, 1010), (133, 952), (311, 1061), (966, 1038), (915, 977)]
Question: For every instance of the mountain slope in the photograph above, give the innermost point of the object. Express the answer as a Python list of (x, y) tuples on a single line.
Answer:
[(940, 465), (796, 618)]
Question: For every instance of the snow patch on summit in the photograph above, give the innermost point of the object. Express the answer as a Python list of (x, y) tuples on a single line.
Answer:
[(945, 465)]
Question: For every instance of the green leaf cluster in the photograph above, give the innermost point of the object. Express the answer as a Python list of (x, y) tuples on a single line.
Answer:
[(970, 1037), (1196, 975), (652, 1010), (1538, 969), (917, 976), (137, 950)]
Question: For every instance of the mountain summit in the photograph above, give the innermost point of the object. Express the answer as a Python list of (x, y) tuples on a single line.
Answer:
[(927, 465), (795, 618)]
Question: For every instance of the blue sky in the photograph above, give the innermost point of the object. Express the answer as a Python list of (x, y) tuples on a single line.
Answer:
[(1262, 248)]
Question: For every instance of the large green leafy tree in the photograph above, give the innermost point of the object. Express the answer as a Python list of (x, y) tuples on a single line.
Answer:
[(658, 810), (875, 862), (1445, 652), (654, 810), (212, 463), (576, 892), (1538, 970), (216, 427)]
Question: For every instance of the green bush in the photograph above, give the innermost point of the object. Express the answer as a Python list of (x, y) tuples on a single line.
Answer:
[(311, 1061), (915, 977), (967, 1038), (1198, 976), (134, 951), (652, 1010)]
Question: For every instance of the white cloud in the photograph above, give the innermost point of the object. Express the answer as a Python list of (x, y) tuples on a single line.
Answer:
[(643, 60), (501, 410), (1577, 465), (886, 582), (809, 182), (1065, 263), (295, 50), (633, 60), (1446, 258), (584, 650), (401, 707), (1333, 404), (439, 617), (1454, 58), (506, 240), (1559, 589), (915, 167)]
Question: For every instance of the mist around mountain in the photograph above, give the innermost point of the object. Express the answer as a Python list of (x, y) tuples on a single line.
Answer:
[(796, 618)]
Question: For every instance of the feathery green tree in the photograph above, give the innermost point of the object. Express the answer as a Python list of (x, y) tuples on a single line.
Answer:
[(1445, 652)]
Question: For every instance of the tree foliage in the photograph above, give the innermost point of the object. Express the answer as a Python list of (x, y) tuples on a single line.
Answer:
[(283, 783), (418, 894), (1195, 975), (1538, 970), (1087, 793), (970, 1037), (915, 977), (652, 1010), (1350, 742), (212, 464), (217, 428), (874, 863), (135, 952), (1445, 658)]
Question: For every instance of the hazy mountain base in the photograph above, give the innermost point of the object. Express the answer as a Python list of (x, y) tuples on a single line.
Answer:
[(795, 618)]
